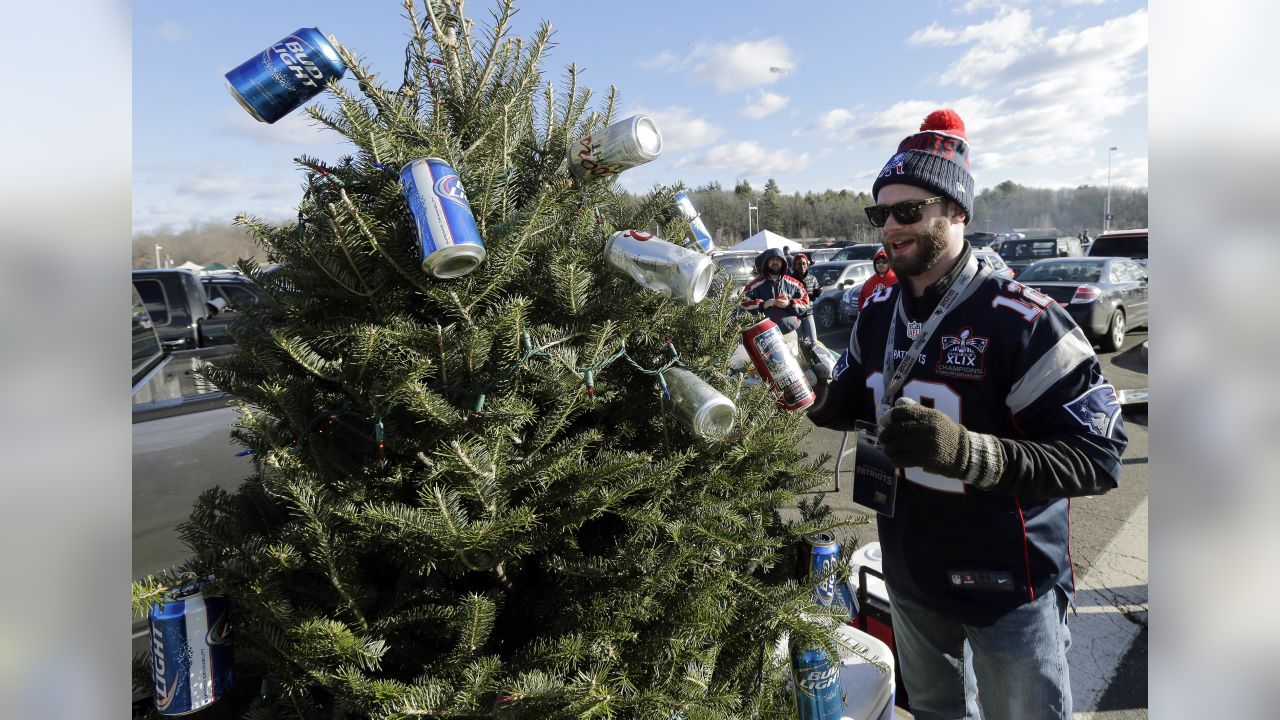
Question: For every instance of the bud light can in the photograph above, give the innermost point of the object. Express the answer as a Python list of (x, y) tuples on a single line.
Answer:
[(622, 145), (448, 240), (190, 653), (776, 364), (281, 78), (820, 558), (816, 682), (697, 229)]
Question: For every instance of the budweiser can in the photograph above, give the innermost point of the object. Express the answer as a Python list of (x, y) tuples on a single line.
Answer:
[(190, 653), (816, 681), (617, 147), (449, 243), (820, 557), (775, 363), (698, 405), (674, 271), (278, 80), (699, 237)]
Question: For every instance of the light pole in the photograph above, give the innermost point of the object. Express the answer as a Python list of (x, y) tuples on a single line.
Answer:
[(1106, 219), (157, 257), (751, 207)]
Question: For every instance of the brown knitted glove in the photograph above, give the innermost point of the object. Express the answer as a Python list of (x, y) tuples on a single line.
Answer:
[(916, 436)]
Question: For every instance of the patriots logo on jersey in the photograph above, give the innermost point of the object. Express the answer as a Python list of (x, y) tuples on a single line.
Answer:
[(1097, 409), (962, 355), (841, 365)]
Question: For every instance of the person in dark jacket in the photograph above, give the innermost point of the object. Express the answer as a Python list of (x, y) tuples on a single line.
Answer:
[(992, 413), (884, 278), (776, 295), (800, 263)]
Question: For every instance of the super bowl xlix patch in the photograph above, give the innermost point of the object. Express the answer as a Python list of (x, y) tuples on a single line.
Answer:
[(962, 356)]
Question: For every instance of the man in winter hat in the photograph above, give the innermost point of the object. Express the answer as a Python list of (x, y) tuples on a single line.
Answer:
[(992, 413)]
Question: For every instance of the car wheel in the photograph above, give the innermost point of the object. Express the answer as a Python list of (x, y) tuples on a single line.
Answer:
[(1115, 332), (825, 316)]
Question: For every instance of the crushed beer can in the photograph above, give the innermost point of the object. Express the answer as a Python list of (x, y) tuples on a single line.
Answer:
[(677, 272)]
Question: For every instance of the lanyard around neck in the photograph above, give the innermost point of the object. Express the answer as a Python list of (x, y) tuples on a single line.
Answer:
[(958, 290)]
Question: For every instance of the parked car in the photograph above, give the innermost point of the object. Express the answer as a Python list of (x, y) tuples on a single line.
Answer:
[(236, 289), (734, 266), (818, 255), (1022, 252), (1121, 243), (1105, 296), (182, 313), (980, 239), (181, 447), (862, 251), (834, 278), (998, 266)]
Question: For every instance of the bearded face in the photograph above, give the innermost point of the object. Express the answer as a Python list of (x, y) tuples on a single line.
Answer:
[(920, 246)]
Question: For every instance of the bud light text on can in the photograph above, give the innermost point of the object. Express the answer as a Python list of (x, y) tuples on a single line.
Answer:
[(190, 653), (700, 238), (821, 558), (617, 147), (775, 362), (817, 684), (448, 240), (281, 78)]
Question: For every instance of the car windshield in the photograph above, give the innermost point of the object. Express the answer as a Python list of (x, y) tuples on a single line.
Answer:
[(993, 260), (827, 274), (858, 252), (1130, 246), (1078, 272), (739, 265), (1022, 249)]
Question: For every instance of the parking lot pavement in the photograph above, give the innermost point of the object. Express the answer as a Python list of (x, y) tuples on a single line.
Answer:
[(1108, 655)]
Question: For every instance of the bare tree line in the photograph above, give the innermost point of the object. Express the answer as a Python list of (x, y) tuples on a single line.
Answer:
[(831, 214)]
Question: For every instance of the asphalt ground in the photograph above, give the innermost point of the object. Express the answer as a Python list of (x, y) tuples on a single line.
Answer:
[(1108, 655)]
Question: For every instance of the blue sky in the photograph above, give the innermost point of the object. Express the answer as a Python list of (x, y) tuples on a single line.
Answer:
[(814, 94)]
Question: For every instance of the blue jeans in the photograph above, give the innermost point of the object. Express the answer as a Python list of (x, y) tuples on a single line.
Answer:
[(807, 328), (1015, 669)]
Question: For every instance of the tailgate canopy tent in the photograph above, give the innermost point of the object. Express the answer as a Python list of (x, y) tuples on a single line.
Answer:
[(764, 240)]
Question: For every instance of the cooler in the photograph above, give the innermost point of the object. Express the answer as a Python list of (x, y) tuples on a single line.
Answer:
[(867, 578)]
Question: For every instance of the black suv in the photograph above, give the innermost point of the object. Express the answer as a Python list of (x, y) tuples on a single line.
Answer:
[(1121, 243)]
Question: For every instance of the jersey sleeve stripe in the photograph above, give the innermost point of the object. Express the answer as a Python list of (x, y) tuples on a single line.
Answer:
[(1071, 350)]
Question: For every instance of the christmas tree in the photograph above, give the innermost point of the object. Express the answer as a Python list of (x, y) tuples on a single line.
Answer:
[(473, 498)]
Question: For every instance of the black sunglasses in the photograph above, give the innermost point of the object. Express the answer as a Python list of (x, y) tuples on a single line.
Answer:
[(882, 260), (907, 212)]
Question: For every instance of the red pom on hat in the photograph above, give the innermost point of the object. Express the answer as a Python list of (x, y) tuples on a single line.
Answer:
[(946, 121)]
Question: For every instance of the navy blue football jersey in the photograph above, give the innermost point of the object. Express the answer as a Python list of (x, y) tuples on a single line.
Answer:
[(1008, 361)]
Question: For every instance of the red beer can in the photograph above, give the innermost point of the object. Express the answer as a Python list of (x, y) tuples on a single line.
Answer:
[(776, 364)]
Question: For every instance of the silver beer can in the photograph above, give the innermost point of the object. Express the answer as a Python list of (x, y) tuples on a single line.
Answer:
[(617, 147), (677, 272)]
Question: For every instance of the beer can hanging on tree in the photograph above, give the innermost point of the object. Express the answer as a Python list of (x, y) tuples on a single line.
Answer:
[(617, 147), (698, 236), (699, 406), (679, 273), (190, 651), (776, 364), (278, 80), (448, 240)]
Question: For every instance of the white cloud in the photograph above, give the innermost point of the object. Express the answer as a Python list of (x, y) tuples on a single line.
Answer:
[(738, 66), (829, 123), (1130, 172), (170, 31), (762, 104), (662, 62), (216, 185), (745, 159), (1029, 106), (680, 129), (296, 128)]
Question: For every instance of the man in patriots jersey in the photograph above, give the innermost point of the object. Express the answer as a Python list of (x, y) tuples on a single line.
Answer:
[(1001, 416)]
